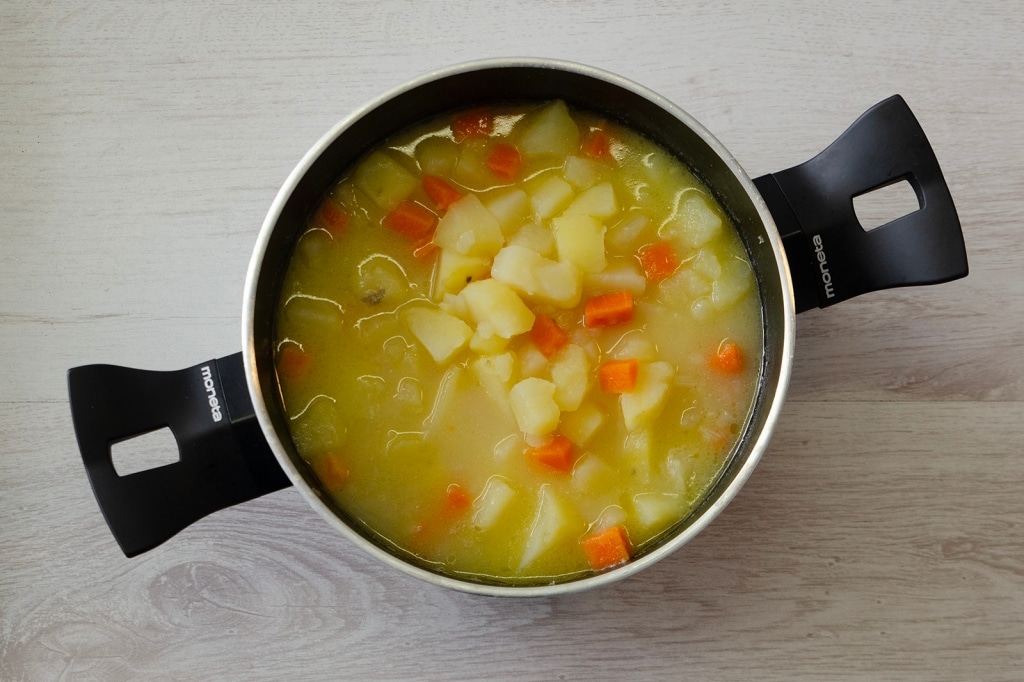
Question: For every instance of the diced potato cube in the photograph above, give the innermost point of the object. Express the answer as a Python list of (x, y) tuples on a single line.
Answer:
[(536, 238), (559, 283), (321, 428), (657, 510), (680, 465), (635, 345), (598, 201), (455, 270), (570, 372), (534, 406), (592, 473), (627, 234), (469, 228), (384, 180), (437, 156), (706, 264), (532, 362), (380, 279), (536, 277), (486, 341), (312, 310), (471, 165), (493, 502), (580, 241), (649, 396), (550, 131), (636, 453), (735, 280), (582, 173), (551, 196), (509, 207), (552, 522), (580, 425), (443, 335), (494, 372), (495, 303), (619, 275), (453, 304), (694, 224)]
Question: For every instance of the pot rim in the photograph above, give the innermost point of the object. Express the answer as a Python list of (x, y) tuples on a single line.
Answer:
[(724, 496)]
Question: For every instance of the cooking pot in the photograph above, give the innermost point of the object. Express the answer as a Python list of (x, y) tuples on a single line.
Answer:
[(799, 228)]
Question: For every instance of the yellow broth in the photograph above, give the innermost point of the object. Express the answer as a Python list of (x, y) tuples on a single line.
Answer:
[(416, 387)]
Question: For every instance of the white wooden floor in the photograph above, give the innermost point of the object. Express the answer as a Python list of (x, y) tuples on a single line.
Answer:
[(882, 536)]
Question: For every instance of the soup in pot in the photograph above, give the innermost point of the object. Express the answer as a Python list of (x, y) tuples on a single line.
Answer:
[(518, 344)]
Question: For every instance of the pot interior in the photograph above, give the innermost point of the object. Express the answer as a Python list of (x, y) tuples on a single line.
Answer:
[(502, 82)]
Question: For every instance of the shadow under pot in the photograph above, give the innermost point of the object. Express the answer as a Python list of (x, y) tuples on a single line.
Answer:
[(794, 234)]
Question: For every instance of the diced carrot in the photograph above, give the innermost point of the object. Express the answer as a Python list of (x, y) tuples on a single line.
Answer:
[(606, 548), (456, 500), (618, 376), (440, 191), (659, 260), (597, 145), (505, 161), (556, 455), (411, 219), (608, 309), (331, 472), (548, 336), (728, 358), (332, 216), (292, 362), (475, 123)]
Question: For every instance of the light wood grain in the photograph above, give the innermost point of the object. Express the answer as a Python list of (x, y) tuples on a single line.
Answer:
[(882, 536)]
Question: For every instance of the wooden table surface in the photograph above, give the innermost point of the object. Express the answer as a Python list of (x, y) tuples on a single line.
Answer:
[(881, 537)]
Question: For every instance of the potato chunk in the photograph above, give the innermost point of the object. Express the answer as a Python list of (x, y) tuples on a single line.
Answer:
[(550, 131), (537, 277), (469, 228), (493, 502), (570, 372), (443, 335), (534, 406), (384, 180), (551, 523), (649, 396), (495, 304), (580, 240), (598, 201)]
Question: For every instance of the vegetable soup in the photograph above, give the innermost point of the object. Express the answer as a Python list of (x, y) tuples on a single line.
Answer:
[(517, 344)]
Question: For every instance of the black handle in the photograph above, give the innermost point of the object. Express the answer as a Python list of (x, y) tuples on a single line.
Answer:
[(223, 457), (831, 256)]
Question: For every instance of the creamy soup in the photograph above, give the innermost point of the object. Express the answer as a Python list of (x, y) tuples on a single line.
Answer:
[(517, 344)]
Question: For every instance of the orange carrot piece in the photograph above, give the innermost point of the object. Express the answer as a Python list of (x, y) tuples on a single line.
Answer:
[(556, 455), (505, 161), (618, 376), (332, 216), (597, 145), (411, 219), (547, 336), (608, 309), (728, 358), (475, 123), (456, 499), (440, 191), (331, 472), (659, 260), (292, 363), (606, 548)]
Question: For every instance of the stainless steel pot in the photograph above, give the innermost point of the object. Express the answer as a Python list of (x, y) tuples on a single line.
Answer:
[(799, 227)]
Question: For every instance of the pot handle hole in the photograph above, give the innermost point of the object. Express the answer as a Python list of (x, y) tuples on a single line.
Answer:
[(223, 458), (832, 257)]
